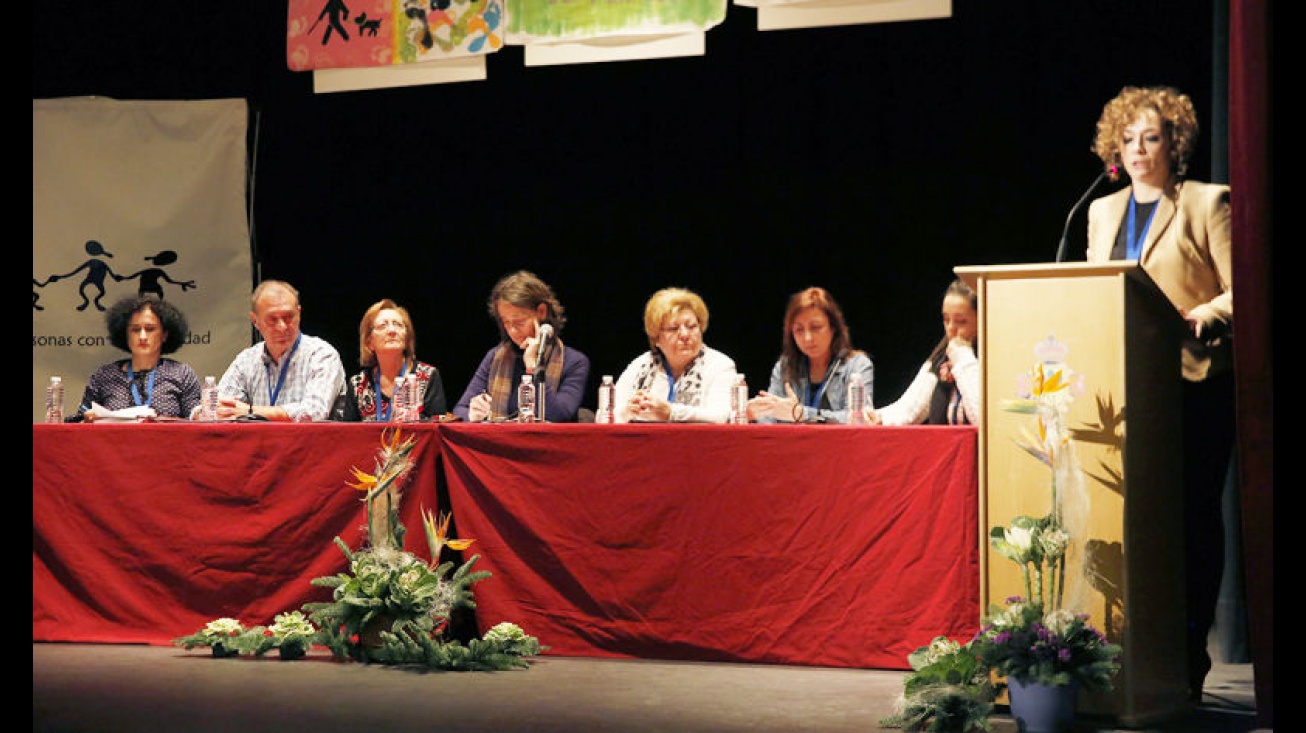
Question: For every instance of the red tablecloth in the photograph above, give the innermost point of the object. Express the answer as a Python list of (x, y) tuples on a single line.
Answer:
[(819, 545), (143, 533), (826, 545)]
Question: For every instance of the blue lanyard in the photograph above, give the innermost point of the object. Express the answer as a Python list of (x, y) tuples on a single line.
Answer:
[(816, 403), (1134, 241), (285, 367), (149, 386), (386, 410), (671, 390)]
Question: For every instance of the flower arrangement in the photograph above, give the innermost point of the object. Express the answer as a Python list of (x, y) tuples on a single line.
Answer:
[(1039, 544), (948, 690), (1052, 648), (391, 606), (1032, 639)]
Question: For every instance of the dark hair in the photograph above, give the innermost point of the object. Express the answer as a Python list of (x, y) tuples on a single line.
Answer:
[(841, 343), (959, 288), (119, 316), (523, 289)]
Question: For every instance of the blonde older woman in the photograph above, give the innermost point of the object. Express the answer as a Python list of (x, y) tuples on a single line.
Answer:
[(679, 379), (387, 348)]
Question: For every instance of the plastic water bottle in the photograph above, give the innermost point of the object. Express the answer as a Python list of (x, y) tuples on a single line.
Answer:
[(413, 396), (399, 400), (209, 399), (54, 400), (607, 413), (739, 401), (856, 399), (526, 399)]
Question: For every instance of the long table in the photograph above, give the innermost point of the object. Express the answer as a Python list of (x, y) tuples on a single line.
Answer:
[(815, 545)]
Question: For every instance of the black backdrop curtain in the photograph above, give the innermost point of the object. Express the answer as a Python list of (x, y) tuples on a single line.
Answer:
[(868, 159)]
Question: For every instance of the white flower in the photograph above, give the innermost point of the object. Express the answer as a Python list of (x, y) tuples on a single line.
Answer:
[(1012, 615), (941, 647), (1021, 538), (1059, 621), (505, 632), (225, 626), (293, 623), (1054, 542)]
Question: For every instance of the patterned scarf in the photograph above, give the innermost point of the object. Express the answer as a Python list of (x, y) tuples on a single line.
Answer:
[(689, 387), (501, 383)]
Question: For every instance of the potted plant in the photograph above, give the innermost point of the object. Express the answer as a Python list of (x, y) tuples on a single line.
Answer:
[(226, 636), (948, 691), (390, 606), (1046, 653), (1056, 648), (1046, 658), (292, 634), (1033, 645)]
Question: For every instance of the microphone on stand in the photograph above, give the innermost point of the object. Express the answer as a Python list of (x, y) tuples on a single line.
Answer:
[(543, 349), (1061, 248), (545, 346)]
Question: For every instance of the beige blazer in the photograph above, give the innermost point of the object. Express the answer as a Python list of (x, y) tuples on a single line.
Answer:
[(1188, 254)]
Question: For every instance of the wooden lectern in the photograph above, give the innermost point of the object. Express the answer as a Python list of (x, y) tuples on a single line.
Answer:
[(1123, 338)]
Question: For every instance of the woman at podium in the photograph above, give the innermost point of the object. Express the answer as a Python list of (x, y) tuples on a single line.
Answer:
[(1179, 232)]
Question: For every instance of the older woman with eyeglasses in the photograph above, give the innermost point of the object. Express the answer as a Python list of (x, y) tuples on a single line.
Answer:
[(679, 379), (387, 347)]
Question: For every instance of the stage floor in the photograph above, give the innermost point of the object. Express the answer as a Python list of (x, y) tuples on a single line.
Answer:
[(113, 688)]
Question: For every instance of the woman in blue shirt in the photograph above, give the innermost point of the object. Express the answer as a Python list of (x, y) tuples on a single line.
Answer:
[(809, 382)]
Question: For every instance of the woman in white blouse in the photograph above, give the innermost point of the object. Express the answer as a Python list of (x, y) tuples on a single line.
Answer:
[(679, 379), (946, 390)]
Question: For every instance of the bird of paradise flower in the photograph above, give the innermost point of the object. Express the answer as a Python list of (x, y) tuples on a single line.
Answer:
[(1044, 391), (393, 462), (437, 535)]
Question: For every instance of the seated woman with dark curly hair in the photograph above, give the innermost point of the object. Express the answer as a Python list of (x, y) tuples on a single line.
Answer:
[(147, 328)]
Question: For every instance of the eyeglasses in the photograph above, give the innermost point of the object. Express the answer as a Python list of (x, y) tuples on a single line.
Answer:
[(517, 324), (690, 327), (381, 326)]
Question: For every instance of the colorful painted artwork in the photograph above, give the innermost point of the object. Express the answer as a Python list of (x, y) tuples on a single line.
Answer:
[(336, 34), (531, 21)]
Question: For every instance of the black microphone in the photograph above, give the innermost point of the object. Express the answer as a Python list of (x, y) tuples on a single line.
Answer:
[(1061, 249), (544, 348)]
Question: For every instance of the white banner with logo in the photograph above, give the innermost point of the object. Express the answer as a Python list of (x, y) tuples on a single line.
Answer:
[(133, 197)]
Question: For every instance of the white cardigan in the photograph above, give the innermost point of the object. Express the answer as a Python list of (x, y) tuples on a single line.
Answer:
[(718, 372), (913, 407)]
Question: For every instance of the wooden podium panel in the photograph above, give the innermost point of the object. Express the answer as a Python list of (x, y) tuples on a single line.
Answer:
[(1123, 340)]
